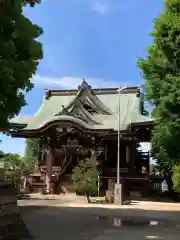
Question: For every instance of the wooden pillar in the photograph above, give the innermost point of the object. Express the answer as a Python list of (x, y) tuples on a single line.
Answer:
[(148, 164), (105, 151), (48, 170), (93, 157), (53, 156), (127, 154), (42, 154)]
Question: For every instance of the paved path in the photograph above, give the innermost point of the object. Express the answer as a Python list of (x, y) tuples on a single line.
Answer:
[(45, 220)]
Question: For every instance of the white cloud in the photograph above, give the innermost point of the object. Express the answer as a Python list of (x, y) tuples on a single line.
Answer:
[(72, 82), (43, 1), (100, 6)]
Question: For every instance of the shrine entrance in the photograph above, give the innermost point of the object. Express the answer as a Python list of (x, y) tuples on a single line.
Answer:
[(61, 150)]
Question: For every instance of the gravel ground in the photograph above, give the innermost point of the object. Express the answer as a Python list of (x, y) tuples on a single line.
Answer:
[(47, 220)]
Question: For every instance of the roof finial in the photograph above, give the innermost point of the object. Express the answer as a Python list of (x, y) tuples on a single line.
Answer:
[(84, 85), (47, 93)]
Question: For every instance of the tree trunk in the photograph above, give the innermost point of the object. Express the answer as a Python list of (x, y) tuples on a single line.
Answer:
[(88, 197)]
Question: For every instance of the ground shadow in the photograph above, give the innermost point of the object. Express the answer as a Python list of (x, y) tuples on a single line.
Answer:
[(46, 221)]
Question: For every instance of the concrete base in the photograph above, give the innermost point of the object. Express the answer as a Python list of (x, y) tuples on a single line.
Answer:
[(118, 200)]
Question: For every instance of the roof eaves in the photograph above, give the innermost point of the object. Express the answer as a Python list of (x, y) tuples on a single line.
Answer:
[(65, 119)]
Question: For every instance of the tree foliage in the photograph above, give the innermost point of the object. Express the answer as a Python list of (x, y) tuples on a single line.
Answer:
[(13, 165), (161, 72), (31, 153), (17, 166), (176, 178), (85, 177), (143, 106), (20, 53)]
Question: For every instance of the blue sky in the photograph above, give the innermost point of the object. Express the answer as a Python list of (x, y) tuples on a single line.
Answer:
[(99, 40)]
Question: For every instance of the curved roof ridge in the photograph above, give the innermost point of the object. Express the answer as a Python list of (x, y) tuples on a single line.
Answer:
[(72, 110), (88, 115), (98, 104), (95, 101)]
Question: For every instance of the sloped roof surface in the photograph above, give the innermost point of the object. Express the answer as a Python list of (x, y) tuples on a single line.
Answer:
[(68, 106)]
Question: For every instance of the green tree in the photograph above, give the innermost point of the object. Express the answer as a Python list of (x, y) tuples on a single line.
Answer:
[(1, 154), (20, 53), (17, 166), (1, 162), (85, 177), (31, 2), (31, 154), (176, 178), (152, 169), (143, 106), (161, 72), (13, 165)]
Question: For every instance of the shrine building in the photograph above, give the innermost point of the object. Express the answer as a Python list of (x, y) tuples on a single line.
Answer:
[(72, 124)]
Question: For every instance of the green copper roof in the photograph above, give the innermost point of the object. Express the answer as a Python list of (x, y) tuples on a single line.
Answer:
[(21, 120), (68, 106)]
